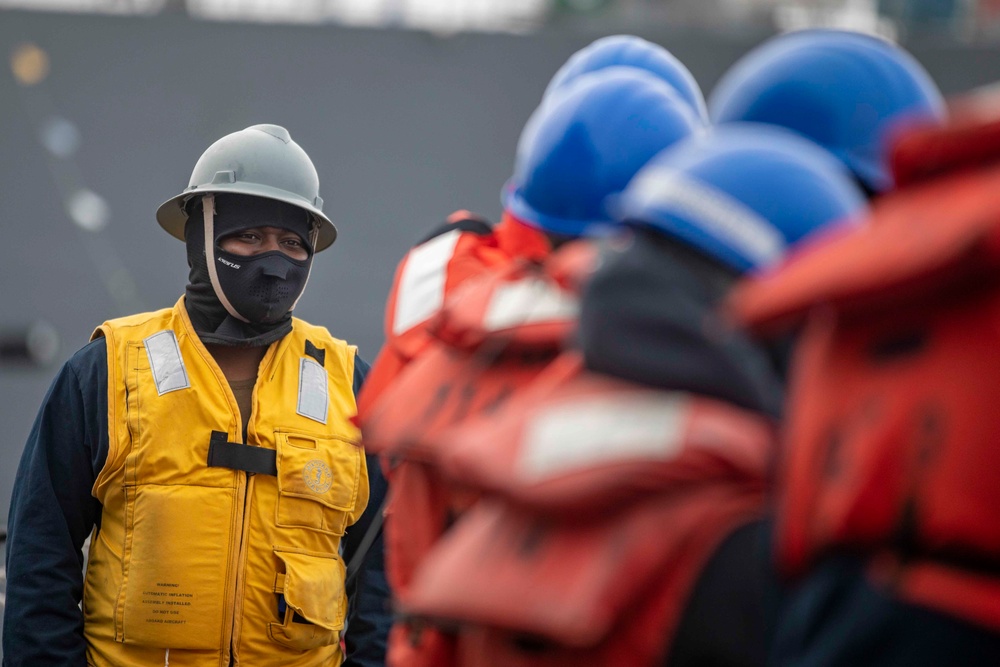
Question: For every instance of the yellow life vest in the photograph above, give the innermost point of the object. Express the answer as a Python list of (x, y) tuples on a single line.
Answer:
[(211, 551)]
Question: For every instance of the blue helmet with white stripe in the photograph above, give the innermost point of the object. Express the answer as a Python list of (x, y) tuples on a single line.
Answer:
[(587, 142), (742, 195), (845, 91), (632, 51)]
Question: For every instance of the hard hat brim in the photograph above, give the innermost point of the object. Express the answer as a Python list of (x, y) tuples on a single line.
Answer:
[(172, 217), (513, 201)]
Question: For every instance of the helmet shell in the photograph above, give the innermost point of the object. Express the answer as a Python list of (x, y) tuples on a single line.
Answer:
[(261, 160), (744, 194), (632, 51), (587, 142), (843, 90)]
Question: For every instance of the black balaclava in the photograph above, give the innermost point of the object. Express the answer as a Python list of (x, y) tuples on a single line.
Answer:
[(250, 302)]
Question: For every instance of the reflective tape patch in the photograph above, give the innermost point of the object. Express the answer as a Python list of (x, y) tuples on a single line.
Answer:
[(421, 287), (603, 430), (528, 302), (314, 398), (166, 362), (720, 215)]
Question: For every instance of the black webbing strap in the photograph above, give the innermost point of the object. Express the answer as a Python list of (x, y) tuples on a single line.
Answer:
[(316, 353), (474, 225), (358, 559), (236, 456)]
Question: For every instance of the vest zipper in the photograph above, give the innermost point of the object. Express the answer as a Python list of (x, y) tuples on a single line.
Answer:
[(245, 528), (236, 601), (240, 569)]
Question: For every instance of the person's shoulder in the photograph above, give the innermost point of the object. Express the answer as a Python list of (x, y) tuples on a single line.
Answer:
[(459, 222), (316, 332), (89, 361), (93, 353), (139, 319), (314, 337), (329, 351)]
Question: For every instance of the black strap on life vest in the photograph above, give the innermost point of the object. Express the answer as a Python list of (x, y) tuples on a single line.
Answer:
[(472, 224), (316, 353), (236, 456)]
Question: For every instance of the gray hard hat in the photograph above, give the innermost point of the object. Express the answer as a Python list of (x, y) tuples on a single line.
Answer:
[(261, 160)]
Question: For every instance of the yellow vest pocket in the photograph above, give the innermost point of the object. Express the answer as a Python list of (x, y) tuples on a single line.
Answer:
[(313, 588), (173, 594), (318, 479)]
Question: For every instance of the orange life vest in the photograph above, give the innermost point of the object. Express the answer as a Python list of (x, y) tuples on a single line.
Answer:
[(466, 246), (604, 502), (492, 337), (892, 418)]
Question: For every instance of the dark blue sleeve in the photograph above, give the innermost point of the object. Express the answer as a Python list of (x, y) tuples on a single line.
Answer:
[(52, 512), (837, 615), (370, 615)]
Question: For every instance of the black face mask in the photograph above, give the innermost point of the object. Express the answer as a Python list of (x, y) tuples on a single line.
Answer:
[(250, 301), (261, 288)]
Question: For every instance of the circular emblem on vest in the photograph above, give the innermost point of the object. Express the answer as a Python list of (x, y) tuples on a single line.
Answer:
[(318, 476)]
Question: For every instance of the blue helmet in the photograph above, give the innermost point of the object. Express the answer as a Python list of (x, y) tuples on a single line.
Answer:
[(631, 51), (743, 194), (843, 90), (587, 142)]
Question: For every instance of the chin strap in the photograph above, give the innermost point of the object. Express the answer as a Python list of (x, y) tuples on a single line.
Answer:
[(208, 205), (313, 236)]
